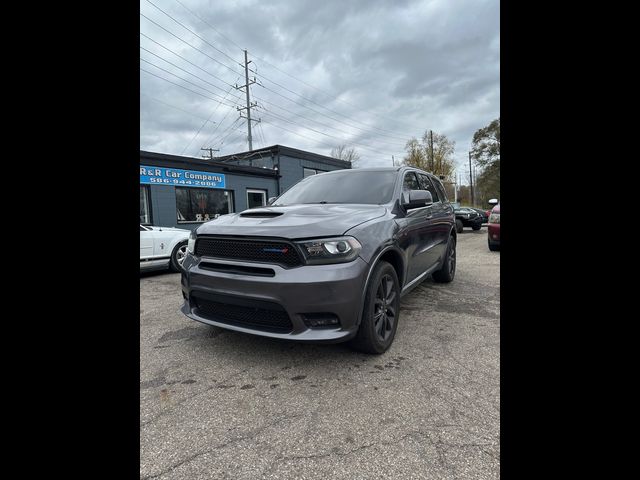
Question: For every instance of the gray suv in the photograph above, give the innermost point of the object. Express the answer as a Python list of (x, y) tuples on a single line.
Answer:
[(327, 261)]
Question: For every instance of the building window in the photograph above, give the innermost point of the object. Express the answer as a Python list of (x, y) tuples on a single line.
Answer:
[(307, 172), (202, 204), (145, 205), (256, 198)]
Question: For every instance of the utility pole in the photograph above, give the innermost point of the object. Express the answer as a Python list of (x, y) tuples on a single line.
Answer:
[(471, 180), (393, 161), (249, 104), (431, 148), (455, 190), (210, 150)]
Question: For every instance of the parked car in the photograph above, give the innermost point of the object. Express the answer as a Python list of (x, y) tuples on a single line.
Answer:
[(327, 261), (484, 214), (493, 236), (467, 217), (163, 247)]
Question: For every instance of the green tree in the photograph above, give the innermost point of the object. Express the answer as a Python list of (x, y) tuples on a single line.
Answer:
[(419, 155), (485, 151)]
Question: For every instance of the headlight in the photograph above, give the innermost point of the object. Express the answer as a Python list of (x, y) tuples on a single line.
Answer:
[(330, 250), (191, 244), (494, 218)]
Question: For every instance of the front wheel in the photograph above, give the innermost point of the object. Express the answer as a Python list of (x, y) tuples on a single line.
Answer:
[(494, 247), (477, 227), (178, 255), (448, 270), (381, 311), (459, 226)]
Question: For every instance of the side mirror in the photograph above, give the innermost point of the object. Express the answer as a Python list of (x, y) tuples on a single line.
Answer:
[(271, 200), (419, 198), (493, 201)]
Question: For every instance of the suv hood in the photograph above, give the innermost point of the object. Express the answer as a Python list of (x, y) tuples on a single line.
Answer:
[(293, 221)]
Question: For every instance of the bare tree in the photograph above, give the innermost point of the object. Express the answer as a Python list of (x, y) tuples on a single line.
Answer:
[(419, 155), (348, 154)]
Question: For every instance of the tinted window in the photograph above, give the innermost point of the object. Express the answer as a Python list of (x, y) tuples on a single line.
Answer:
[(410, 182), (349, 186), (441, 190), (427, 185), (202, 204)]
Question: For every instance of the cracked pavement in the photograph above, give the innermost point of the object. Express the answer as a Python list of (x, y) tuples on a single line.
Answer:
[(216, 404)]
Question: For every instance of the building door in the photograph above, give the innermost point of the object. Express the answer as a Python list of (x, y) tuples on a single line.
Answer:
[(256, 198)]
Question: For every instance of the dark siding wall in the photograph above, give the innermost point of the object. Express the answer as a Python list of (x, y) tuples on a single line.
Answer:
[(163, 198), (292, 170)]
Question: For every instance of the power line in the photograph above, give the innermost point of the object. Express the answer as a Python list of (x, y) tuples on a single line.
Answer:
[(186, 60), (187, 43), (273, 91), (173, 106), (185, 80), (182, 69), (313, 120), (207, 23), (317, 131), (326, 108), (178, 85), (194, 33), (232, 126), (331, 95), (211, 137), (202, 126)]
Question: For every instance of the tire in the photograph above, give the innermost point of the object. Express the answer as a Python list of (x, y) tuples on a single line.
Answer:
[(447, 273), (459, 226), (477, 227), (494, 247), (382, 302), (177, 256)]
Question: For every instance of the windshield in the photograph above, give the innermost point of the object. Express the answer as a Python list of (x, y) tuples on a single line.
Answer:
[(342, 187)]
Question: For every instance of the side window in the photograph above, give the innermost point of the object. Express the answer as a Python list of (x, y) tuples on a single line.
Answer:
[(441, 190), (427, 185), (410, 183)]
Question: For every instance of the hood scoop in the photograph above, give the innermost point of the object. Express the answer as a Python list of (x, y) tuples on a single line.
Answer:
[(261, 214)]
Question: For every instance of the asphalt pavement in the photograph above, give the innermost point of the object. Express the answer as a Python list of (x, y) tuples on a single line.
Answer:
[(217, 404)]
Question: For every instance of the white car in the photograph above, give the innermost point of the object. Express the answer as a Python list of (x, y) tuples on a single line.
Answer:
[(163, 247)]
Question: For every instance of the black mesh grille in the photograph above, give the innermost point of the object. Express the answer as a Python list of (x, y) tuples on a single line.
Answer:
[(258, 318), (281, 253)]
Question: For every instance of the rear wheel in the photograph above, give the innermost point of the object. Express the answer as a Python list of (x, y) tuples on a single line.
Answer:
[(477, 227), (448, 270), (459, 226), (381, 311), (494, 247)]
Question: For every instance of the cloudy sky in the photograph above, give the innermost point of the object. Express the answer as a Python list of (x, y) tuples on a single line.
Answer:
[(366, 73)]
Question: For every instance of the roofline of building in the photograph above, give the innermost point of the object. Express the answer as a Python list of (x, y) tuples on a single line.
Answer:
[(215, 165), (281, 149)]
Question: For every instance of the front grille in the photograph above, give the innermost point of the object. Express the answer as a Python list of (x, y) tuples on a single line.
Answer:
[(280, 253), (268, 317)]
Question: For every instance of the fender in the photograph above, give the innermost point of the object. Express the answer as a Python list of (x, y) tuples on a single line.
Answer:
[(374, 262)]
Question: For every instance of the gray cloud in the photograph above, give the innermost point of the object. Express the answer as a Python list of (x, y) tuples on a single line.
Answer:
[(391, 70)]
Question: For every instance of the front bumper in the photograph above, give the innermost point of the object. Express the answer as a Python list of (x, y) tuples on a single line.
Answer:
[(493, 230), (336, 289)]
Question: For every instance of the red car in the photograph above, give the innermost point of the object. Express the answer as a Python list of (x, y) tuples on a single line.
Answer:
[(494, 227)]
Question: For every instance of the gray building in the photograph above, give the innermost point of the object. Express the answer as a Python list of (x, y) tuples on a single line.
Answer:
[(184, 192)]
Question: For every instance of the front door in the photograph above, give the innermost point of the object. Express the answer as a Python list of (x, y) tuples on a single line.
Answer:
[(146, 243)]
